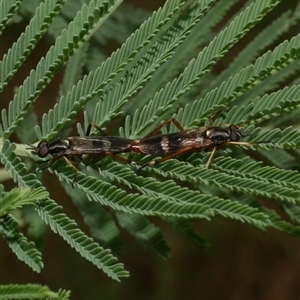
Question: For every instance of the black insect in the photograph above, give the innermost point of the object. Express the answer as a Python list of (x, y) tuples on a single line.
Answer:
[(74, 147), (208, 138)]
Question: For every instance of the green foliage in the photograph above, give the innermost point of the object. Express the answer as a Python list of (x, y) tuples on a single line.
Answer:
[(30, 291), (19, 197), (219, 46), (95, 217), (28, 40), (7, 10), (79, 30), (164, 69), (144, 232), (52, 214), (24, 250), (184, 227)]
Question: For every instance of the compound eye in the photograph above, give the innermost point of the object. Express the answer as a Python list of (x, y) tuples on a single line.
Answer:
[(42, 149)]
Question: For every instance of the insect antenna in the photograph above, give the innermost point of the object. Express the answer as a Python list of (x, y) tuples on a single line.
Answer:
[(32, 147)]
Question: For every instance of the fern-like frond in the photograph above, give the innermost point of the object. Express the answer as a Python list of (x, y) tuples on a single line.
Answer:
[(71, 39), (26, 291), (7, 10), (122, 23), (36, 228), (16, 167), (73, 70), (186, 172), (288, 118), (24, 130), (155, 63), (264, 39), (19, 197), (265, 66), (271, 83), (25, 250), (95, 58), (67, 228), (167, 190), (172, 192), (277, 157), (281, 139), (283, 226), (251, 169), (293, 211), (184, 51), (52, 215), (103, 227), (63, 294), (184, 227), (165, 98), (261, 109), (146, 233), (101, 224), (94, 83), (109, 195), (20, 50), (271, 104), (158, 54)]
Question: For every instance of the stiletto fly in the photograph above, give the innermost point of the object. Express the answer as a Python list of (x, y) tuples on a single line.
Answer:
[(73, 148), (207, 138)]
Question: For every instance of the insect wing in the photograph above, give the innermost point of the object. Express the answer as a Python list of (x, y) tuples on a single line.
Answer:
[(174, 142), (116, 144), (97, 144)]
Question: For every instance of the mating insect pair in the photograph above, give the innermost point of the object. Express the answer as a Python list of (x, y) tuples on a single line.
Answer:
[(171, 145)]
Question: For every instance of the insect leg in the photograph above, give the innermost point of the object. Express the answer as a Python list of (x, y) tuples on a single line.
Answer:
[(48, 163), (228, 143), (211, 119), (211, 157), (175, 122), (212, 123), (74, 168), (242, 143), (157, 161), (88, 131)]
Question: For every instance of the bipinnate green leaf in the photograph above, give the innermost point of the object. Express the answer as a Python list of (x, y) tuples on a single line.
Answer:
[(16, 198), (7, 10), (27, 291), (149, 60), (146, 233), (186, 172), (102, 79), (20, 50), (78, 31), (25, 250), (100, 222), (52, 214), (165, 98)]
